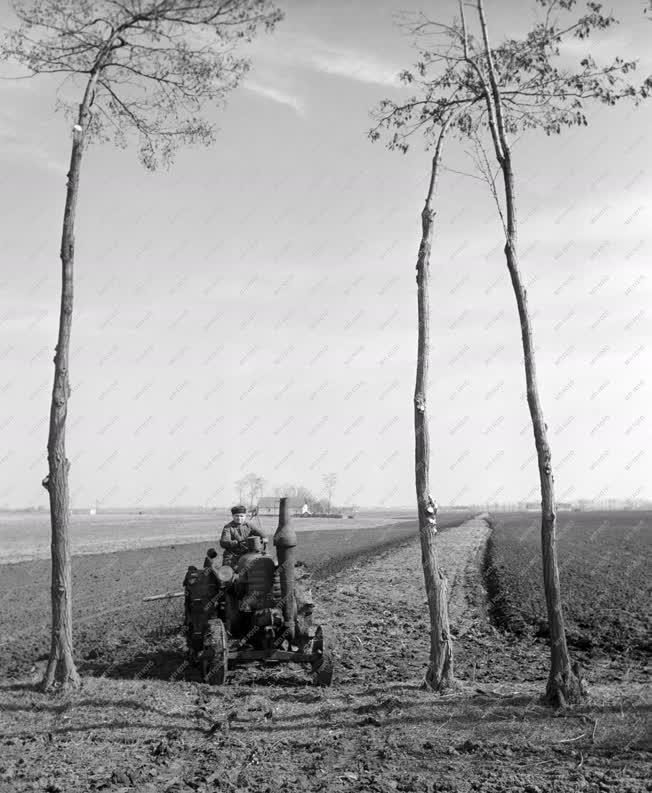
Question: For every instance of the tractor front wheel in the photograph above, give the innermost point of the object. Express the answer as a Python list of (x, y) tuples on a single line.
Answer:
[(215, 653)]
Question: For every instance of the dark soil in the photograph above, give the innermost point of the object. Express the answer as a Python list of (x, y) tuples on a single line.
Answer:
[(269, 731), (113, 629), (604, 562)]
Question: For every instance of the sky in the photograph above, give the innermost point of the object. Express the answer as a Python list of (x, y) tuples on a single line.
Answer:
[(253, 308)]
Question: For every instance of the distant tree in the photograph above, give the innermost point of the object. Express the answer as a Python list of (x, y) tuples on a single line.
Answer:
[(253, 486), (260, 487), (318, 506), (329, 481), (305, 494), (500, 92), (147, 68), (295, 491), (289, 491), (241, 487)]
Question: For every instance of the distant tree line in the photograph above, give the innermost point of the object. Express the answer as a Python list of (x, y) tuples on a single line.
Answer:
[(250, 489)]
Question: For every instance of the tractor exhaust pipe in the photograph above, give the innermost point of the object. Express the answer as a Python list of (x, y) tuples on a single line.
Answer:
[(285, 541)]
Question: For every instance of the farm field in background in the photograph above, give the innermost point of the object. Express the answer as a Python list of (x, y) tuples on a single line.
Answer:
[(144, 722), (604, 563), (111, 623), (26, 535)]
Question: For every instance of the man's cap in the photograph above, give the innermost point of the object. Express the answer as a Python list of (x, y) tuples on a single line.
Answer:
[(239, 510)]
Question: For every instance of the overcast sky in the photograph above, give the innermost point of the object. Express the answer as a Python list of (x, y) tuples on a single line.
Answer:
[(254, 308)]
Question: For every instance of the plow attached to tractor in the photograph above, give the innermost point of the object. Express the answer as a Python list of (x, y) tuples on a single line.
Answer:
[(257, 612)]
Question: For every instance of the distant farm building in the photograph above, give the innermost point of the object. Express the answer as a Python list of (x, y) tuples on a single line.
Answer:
[(268, 505)]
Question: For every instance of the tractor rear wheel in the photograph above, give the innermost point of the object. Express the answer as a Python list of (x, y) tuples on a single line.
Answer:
[(215, 653), (322, 662)]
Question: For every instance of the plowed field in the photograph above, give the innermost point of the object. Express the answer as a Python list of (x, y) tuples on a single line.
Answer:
[(604, 563), (112, 624)]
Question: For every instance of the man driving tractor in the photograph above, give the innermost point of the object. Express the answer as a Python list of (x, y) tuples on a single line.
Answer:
[(234, 536)]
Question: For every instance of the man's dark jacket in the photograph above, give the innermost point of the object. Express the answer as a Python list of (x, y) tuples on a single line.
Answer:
[(234, 539)]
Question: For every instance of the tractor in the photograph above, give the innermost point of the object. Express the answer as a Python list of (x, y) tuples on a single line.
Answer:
[(256, 612)]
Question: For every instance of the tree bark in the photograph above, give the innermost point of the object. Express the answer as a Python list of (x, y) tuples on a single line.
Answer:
[(439, 675), (563, 685), (61, 665)]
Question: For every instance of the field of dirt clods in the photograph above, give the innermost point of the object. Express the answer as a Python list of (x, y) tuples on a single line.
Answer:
[(375, 730), (114, 629), (604, 563)]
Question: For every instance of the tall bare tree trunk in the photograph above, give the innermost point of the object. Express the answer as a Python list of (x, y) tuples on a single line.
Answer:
[(440, 668), (563, 685), (61, 665)]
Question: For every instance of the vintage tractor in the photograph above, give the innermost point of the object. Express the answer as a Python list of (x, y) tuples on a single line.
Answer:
[(256, 612)]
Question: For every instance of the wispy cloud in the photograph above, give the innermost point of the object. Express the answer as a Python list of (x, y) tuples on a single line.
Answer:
[(287, 60), (276, 95), (352, 65), (309, 52)]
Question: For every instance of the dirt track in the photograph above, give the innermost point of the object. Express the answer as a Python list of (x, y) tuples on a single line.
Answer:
[(375, 730)]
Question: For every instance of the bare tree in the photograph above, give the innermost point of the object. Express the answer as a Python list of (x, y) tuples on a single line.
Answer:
[(241, 487), (563, 684), (254, 485), (329, 481), (503, 91), (295, 491), (440, 672), (305, 494), (439, 675), (260, 487), (287, 491), (144, 67)]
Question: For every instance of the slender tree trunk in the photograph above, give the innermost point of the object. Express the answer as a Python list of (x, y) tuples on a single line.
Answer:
[(440, 668), (61, 666), (563, 685)]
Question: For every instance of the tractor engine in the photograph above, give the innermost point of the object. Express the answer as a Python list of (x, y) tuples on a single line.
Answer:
[(259, 589)]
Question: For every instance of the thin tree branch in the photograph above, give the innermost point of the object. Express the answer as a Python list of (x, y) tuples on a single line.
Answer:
[(487, 96), (490, 178)]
